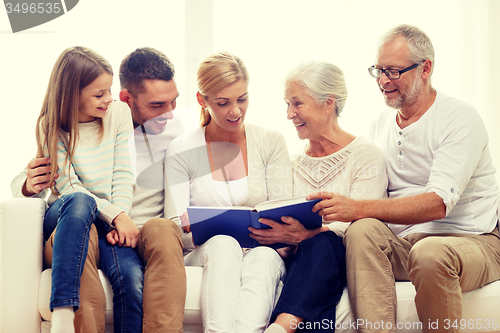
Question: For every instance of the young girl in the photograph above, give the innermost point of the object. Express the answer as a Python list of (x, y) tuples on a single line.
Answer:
[(84, 135)]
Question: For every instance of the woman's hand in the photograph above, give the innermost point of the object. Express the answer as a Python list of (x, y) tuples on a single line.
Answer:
[(125, 233), (291, 232), (186, 226)]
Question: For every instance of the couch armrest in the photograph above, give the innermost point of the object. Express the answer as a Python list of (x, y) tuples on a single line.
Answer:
[(21, 244)]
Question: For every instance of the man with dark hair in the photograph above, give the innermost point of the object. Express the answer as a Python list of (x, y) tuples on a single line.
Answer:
[(144, 63), (148, 87)]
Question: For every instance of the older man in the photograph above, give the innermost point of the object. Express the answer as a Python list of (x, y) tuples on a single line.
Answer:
[(441, 216), (148, 87)]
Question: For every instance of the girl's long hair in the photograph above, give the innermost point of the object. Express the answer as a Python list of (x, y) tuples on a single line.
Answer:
[(76, 68)]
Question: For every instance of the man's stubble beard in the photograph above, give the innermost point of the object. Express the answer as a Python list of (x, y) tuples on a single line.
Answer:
[(406, 99)]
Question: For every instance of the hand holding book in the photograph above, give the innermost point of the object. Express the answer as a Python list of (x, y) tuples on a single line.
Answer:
[(207, 222), (290, 231)]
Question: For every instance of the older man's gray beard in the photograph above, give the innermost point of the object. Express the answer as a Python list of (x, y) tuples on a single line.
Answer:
[(406, 99)]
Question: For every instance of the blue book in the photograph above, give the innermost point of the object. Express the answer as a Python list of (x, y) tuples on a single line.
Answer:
[(207, 221)]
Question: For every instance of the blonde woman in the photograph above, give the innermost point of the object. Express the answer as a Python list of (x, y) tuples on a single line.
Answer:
[(227, 162)]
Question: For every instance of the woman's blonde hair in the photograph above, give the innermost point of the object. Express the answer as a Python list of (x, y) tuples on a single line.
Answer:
[(215, 73), (76, 68)]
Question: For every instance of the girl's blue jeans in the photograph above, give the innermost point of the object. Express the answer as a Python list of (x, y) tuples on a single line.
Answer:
[(73, 215), (124, 270)]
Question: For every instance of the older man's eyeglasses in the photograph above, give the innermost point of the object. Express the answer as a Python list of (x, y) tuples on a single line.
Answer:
[(392, 74)]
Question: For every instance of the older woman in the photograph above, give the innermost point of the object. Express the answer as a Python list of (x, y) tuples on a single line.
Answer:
[(227, 162), (333, 160)]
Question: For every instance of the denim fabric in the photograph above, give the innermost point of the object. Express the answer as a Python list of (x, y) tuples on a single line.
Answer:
[(314, 282), (72, 214), (124, 270)]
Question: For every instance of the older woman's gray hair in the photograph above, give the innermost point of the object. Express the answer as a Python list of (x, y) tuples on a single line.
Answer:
[(321, 80)]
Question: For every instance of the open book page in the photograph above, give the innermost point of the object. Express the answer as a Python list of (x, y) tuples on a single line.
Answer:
[(215, 210), (218, 209), (280, 203), (298, 208)]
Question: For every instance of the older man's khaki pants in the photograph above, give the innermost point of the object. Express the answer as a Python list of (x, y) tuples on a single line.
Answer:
[(441, 266)]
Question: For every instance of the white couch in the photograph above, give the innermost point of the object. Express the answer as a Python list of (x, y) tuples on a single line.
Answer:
[(25, 289)]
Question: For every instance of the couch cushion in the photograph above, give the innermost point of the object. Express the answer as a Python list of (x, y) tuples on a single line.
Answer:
[(482, 305), (481, 308), (21, 242), (192, 311)]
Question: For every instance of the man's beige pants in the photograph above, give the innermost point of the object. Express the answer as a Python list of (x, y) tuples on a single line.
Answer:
[(441, 267), (164, 293)]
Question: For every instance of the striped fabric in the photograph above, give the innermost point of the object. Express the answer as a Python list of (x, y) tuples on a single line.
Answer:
[(101, 168)]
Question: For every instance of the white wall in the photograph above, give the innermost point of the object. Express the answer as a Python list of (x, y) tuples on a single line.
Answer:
[(271, 37), (112, 28), (274, 36)]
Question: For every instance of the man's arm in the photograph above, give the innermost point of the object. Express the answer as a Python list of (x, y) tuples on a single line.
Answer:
[(409, 210), (33, 179)]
